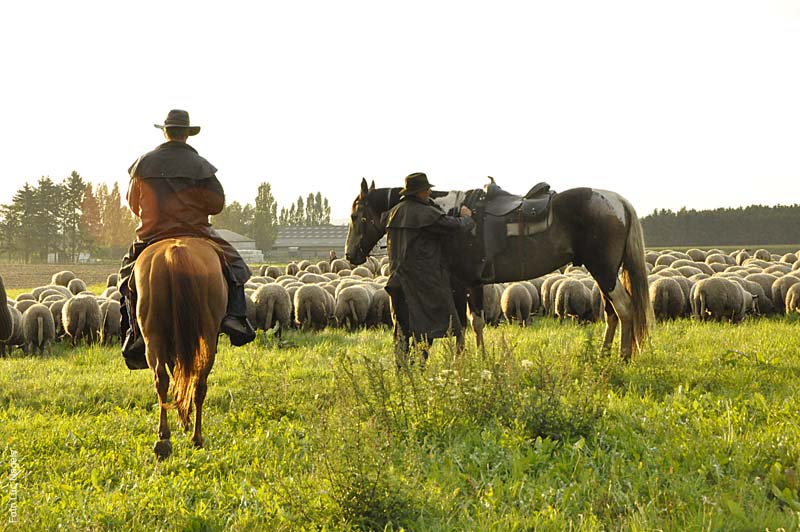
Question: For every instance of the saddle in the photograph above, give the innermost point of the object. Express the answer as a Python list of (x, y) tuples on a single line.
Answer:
[(501, 214)]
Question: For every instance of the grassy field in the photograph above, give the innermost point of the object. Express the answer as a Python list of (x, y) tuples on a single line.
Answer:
[(699, 432)]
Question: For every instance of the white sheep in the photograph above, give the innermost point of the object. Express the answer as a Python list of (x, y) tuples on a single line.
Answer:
[(573, 300), (352, 306), (38, 329), (719, 298), (793, 299), (273, 305), (311, 307), (779, 290), (516, 303), (62, 278), (669, 301), (81, 318), (110, 316)]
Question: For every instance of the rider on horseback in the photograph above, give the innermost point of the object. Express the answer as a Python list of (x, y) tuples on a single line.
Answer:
[(173, 190)]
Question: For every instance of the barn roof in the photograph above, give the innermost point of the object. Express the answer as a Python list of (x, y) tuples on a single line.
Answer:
[(232, 237), (332, 236)]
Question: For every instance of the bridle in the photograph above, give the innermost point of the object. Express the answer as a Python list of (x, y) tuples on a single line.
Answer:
[(367, 223)]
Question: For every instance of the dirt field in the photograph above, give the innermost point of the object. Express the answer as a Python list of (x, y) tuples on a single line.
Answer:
[(18, 276)]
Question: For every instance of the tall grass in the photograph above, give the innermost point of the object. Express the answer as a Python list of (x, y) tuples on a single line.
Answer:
[(700, 432)]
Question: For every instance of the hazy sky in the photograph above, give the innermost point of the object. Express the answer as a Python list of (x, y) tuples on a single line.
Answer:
[(682, 103)]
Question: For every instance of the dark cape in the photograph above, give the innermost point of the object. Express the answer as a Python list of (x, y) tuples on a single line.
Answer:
[(6, 325), (173, 191), (416, 231)]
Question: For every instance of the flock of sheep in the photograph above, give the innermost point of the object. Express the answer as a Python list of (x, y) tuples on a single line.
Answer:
[(311, 296)]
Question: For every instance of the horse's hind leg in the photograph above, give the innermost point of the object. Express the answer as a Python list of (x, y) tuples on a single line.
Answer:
[(623, 307), (199, 397), (163, 446)]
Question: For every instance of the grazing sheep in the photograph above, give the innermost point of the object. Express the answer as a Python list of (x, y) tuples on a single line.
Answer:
[(763, 304), (62, 278), (669, 301), (53, 297), (757, 262), (324, 266), (793, 299), (380, 312), (651, 257), (112, 280), (311, 307), (763, 254), (110, 316), (778, 269), (26, 296), (385, 270), (719, 258), (779, 290), (345, 273), (702, 266), (24, 305), (516, 303), (56, 307), (697, 255), (788, 258), (535, 299), (362, 271), (492, 313), (271, 271), (312, 278), (548, 292), (665, 260), (272, 305), (76, 286), (81, 318), (719, 298), (313, 268), (38, 329), (339, 264), (109, 291), (292, 269), (573, 300), (303, 264), (352, 306)]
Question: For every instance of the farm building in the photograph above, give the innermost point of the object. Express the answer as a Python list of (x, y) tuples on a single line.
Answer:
[(245, 245), (310, 242)]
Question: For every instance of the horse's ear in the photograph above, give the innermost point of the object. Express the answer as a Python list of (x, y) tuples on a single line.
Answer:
[(372, 186), (364, 189)]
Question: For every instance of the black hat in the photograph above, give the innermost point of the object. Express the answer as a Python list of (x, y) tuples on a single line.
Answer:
[(416, 182), (179, 118)]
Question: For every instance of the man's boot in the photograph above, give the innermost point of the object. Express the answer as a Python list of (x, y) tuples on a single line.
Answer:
[(235, 324), (133, 349)]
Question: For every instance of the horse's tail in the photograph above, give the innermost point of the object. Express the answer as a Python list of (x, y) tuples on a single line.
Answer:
[(187, 328), (634, 278)]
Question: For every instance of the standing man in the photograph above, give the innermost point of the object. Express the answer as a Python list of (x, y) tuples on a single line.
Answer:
[(419, 279), (173, 191)]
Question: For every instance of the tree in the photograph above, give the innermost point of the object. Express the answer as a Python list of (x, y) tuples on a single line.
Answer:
[(265, 218), (91, 219), (46, 218), (74, 188), (18, 232)]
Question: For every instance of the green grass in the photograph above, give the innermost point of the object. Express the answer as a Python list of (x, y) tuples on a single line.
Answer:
[(699, 432)]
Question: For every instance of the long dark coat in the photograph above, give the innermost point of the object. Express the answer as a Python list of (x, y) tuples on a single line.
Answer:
[(415, 233)]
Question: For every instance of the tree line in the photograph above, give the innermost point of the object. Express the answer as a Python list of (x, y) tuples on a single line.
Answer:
[(73, 218), (59, 221), (742, 226)]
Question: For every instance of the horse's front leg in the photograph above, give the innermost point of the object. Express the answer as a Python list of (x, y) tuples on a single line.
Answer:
[(163, 446)]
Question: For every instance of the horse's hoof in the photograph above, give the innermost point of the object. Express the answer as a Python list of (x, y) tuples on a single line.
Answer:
[(162, 448), (198, 442)]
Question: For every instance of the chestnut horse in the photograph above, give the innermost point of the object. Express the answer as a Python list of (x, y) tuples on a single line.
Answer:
[(596, 228), (181, 302)]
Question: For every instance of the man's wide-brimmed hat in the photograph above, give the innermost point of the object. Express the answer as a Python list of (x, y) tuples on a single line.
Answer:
[(416, 182), (179, 118)]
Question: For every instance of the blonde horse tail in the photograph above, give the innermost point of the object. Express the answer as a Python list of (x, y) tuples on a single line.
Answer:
[(190, 347), (634, 279)]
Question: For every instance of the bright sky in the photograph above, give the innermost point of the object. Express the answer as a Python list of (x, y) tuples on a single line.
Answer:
[(674, 103)]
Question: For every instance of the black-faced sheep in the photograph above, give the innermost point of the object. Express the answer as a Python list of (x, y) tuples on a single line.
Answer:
[(81, 318), (720, 299), (273, 305), (352, 306), (38, 329), (516, 303), (110, 316), (62, 278), (669, 301), (573, 300), (311, 305)]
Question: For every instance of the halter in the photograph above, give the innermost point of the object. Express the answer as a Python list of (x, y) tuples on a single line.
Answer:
[(364, 224)]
